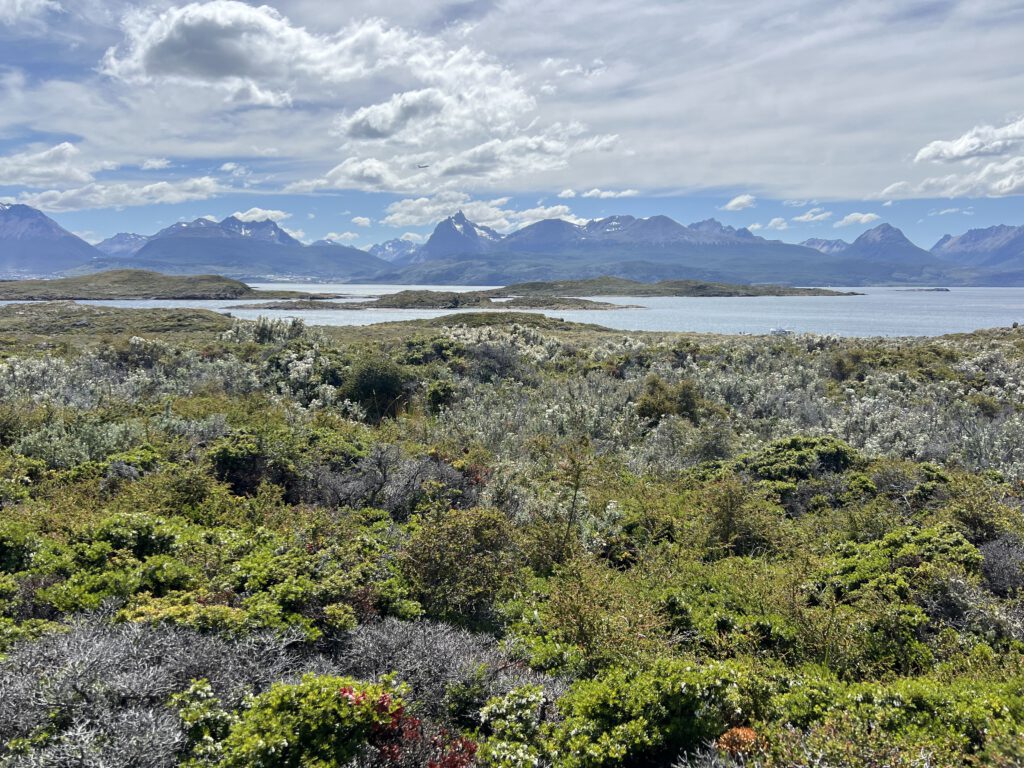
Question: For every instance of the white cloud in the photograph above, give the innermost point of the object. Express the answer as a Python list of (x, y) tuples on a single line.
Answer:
[(796, 203), (778, 223), (123, 195), (155, 164), (755, 227), (361, 221), (261, 214), (426, 211), (455, 109), (61, 164), (342, 237), (408, 83), (980, 141), (813, 215), (994, 179), (20, 11), (235, 169), (740, 202), (857, 218), (413, 237), (566, 194), (382, 121), (605, 194)]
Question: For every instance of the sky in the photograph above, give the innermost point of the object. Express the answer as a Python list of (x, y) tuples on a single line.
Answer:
[(365, 121)]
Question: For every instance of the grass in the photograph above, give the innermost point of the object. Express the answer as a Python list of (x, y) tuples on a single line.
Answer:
[(64, 322)]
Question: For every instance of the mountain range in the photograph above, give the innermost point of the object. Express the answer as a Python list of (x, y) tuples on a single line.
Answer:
[(462, 251)]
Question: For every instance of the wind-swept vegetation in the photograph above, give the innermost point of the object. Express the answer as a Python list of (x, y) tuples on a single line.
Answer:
[(505, 540)]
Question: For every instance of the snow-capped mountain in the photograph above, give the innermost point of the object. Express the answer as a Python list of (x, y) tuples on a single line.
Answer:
[(122, 244), (266, 230), (458, 236), (395, 251), (826, 246), (462, 251)]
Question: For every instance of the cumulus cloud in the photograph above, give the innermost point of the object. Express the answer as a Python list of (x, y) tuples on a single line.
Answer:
[(361, 221), (567, 194), (261, 214), (123, 195), (253, 53), (994, 179), (455, 109), (381, 121), (990, 159), (605, 194), (155, 164), (857, 218), (813, 215), (740, 202), (778, 223), (413, 237), (980, 141), (61, 164), (495, 213)]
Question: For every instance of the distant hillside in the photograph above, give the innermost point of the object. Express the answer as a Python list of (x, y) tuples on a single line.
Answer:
[(247, 249), (130, 284), (999, 247), (33, 244)]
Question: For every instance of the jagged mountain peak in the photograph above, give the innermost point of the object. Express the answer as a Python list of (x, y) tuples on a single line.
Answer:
[(264, 229), (826, 246)]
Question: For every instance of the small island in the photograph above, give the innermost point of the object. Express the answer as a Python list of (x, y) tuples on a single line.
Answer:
[(426, 299), (562, 295), (620, 286), (138, 284)]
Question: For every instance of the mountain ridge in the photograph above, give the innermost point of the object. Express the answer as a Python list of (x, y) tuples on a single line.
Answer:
[(462, 251)]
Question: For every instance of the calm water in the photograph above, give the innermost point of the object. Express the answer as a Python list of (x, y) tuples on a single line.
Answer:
[(880, 312)]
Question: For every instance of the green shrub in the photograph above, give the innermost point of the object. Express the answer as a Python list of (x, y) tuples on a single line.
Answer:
[(321, 722)]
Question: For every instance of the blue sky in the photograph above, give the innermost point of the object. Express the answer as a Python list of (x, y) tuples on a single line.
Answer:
[(365, 121)]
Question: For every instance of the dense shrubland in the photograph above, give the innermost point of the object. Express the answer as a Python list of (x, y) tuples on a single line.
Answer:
[(511, 545)]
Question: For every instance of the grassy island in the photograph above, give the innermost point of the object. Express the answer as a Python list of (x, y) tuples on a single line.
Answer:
[(134, 284)]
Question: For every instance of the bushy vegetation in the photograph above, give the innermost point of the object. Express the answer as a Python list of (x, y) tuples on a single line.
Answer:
[(506, 544)]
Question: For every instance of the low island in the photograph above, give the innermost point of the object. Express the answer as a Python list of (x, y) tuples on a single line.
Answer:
[(138, 284), (620, 286), (564, 295), (426, 299)]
